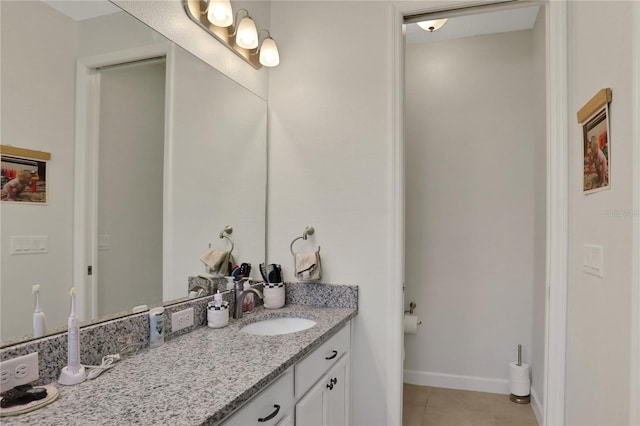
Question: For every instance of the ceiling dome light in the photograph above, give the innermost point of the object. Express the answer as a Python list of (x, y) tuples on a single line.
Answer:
[(219, 13), (269, 56), (432, 26), (247, 36)]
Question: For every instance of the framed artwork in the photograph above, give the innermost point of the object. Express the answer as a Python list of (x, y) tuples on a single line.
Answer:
[(596, 143), (23, 175)]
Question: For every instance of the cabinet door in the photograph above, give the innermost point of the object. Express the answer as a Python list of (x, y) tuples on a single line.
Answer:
[(310, 410), (338, 394), (327, 402)]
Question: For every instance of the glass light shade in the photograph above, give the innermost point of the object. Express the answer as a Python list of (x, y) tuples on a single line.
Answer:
[(219, 13), (247, 36), (432, 25), (269, 56)]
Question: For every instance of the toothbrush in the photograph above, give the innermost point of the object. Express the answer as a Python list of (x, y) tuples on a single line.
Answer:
[(74, 372), (74, 336), (39, 323)]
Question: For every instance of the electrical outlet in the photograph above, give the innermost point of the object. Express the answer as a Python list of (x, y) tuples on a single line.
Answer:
[(5, 376), (19, 371), (181, 319)]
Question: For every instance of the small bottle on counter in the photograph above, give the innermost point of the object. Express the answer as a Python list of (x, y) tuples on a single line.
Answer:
[(247, 305), (156, 327)]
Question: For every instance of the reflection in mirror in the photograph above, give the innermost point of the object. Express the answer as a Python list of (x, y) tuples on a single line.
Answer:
[(202, 167)]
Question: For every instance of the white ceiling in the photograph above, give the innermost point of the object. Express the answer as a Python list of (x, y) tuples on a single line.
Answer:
[(80, 10), (501, 21)]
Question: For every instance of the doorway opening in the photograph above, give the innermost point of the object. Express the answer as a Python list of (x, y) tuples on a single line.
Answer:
[(129, 173), (119, 185), (476, 246)]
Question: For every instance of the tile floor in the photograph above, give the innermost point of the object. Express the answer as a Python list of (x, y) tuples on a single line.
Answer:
[(428, 406)]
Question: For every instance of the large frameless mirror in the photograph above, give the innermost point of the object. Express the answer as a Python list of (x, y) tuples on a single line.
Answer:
[(153, 152)]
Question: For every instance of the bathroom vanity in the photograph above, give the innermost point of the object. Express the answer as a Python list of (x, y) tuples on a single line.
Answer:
[(221, 376), (314, 391)]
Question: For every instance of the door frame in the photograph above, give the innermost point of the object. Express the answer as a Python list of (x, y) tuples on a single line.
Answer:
[(557, 220), (85, 184), (634, 394)]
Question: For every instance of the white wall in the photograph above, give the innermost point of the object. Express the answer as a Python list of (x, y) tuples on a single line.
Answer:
[(470, 128), (540, 212), (99, 35), (330, 124), (38, 113), (599, 309), (218, 169)]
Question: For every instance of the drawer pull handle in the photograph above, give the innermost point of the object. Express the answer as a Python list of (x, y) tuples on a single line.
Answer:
[(272, 415), (334, 380), (330, 386), (335, 354)]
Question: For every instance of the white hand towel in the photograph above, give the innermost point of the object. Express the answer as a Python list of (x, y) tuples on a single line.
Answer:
[(307, 266), (217, 261)]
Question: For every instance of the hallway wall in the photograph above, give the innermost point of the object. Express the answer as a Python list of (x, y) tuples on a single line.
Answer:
[(599, 317), (330, 166), (472, 136)]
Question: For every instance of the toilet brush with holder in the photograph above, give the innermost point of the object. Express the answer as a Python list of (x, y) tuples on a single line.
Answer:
[(519, 381)]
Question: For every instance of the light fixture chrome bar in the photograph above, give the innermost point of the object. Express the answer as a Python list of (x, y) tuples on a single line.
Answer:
[(470, 10)]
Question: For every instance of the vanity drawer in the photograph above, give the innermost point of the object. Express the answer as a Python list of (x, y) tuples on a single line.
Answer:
[(277, 397), (310, 369)]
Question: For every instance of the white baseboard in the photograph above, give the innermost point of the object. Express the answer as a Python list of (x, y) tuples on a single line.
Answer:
[(453, 381), (536, 406)]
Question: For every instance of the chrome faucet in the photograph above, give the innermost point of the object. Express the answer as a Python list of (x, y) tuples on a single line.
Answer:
[(239, 294)]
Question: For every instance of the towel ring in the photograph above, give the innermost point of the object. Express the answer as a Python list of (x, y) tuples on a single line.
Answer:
[(225, 234), (308, 230)]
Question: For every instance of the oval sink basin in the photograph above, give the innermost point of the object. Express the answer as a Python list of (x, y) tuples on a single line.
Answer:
[(275, 326)]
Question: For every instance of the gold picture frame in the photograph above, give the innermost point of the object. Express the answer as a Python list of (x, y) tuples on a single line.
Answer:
[(23, 175), (596, 143)]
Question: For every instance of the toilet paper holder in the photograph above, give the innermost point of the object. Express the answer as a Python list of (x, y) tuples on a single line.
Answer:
[(412, 307)]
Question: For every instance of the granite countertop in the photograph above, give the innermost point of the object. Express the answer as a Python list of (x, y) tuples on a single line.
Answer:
[(198, 378)]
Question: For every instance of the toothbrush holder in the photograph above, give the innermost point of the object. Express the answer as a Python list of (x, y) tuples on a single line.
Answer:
[(273, 295)]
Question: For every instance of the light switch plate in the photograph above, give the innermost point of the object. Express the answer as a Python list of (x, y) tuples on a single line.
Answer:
[(29, 244), (593, 260), (104, 241)]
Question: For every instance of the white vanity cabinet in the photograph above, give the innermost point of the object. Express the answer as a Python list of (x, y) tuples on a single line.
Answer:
[(313, 392)]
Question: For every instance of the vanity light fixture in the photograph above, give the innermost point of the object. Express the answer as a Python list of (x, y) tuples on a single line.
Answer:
[(246, 33), (433, 25), (269, 56), (239, 35), (219, 13)]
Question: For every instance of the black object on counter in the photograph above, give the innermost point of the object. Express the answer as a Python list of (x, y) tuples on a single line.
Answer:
[(21, 395)]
